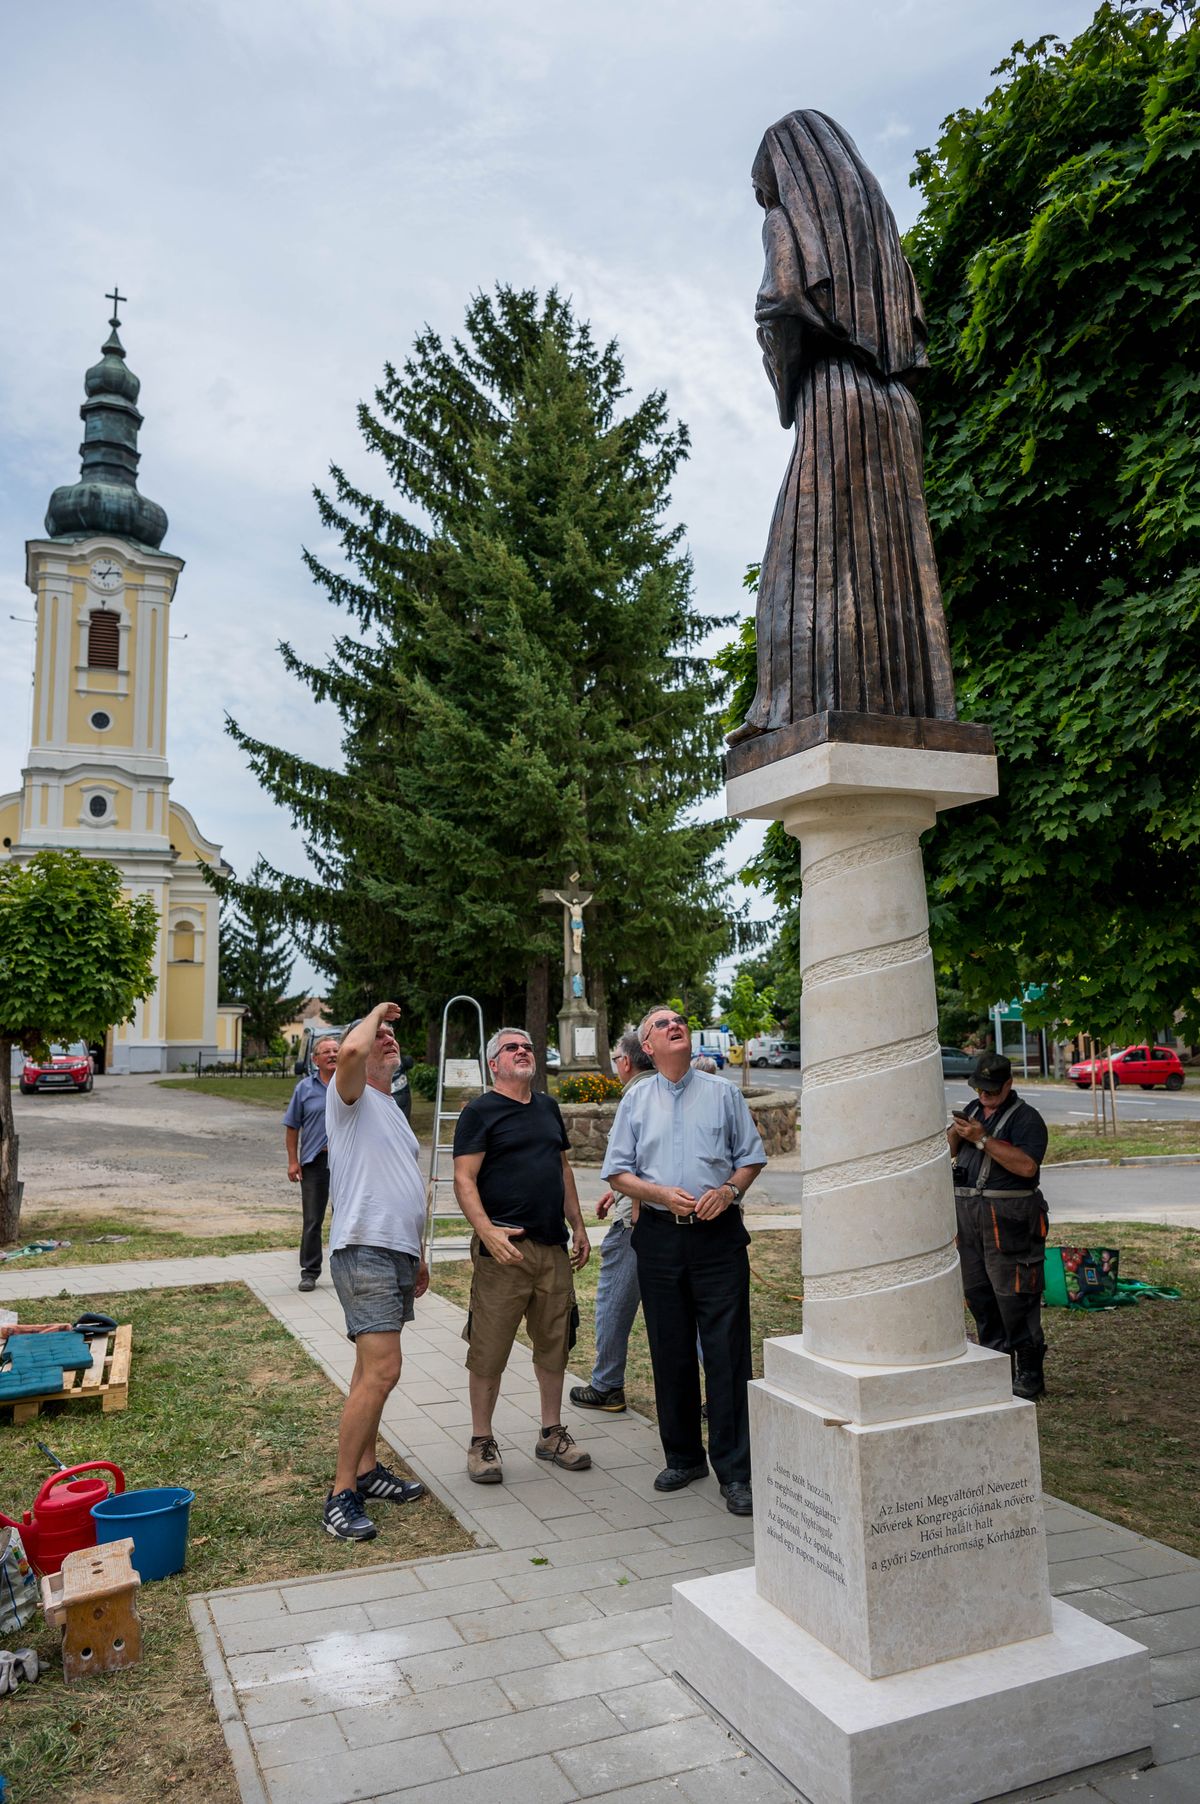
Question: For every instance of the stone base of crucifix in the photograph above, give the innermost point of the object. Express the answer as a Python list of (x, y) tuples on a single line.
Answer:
[(895, 1641), (577, 1039)]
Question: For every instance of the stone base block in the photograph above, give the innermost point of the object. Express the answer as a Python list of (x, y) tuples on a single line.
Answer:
[(957, 1732), (901, 1542), (947, 778), (867, 1394)]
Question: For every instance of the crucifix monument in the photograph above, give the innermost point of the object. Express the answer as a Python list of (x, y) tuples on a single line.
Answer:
[(895, 1641), (576, 1021)]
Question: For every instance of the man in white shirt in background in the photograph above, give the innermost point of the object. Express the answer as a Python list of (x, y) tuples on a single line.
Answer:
[(374, 1257)]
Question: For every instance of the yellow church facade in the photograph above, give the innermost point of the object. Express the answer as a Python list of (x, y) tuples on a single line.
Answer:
[(96, 778)]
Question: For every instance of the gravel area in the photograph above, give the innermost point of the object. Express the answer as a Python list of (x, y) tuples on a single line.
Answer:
[(180, 1160)]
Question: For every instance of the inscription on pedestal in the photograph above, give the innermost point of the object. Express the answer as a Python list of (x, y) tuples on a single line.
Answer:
[(801, 1517), (968, 1520), (902, 1543)]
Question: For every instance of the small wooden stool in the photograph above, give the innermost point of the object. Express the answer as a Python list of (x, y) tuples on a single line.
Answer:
[(93, 1599)]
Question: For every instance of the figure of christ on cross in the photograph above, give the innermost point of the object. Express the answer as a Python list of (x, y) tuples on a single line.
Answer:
[(573, 901)]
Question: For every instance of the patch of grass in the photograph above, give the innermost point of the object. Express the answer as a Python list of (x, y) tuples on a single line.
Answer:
[(1133, 1140), (221, 1399), (264, 1091), (1120, 1432), (275, 1093), (138, 1240)]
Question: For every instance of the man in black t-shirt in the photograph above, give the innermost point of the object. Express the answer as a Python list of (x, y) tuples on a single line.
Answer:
[(998, 1145), (517, 1190)]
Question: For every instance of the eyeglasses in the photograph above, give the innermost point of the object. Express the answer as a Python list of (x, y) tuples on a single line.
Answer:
[(667, 1021), (982, 1091), (515, 1046)]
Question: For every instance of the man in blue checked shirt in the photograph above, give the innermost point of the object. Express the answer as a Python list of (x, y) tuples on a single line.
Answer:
[(307, 1157), (685, 1148)]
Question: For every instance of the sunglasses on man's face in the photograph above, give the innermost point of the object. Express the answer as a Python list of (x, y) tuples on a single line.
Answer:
[(983, 1092), (515, 1046), (667, 1021)]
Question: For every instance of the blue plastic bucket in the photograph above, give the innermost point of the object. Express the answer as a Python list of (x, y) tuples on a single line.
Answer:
[(158, 1522)]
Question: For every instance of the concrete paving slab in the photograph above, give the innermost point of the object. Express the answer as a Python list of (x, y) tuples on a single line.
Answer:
[(537, 1781), (364, 1725)]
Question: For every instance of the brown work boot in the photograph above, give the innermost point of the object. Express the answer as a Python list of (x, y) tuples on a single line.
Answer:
[(484, 1465), (557, 1445)]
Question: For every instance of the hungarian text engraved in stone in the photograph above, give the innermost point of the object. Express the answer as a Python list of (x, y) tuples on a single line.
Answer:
[(971, 1519), (802, 1519)]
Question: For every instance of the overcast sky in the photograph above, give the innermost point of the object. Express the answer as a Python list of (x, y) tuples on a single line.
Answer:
[(287, 190)]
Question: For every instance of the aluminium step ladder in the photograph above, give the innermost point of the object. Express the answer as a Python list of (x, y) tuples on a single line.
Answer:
[(441, 1204)]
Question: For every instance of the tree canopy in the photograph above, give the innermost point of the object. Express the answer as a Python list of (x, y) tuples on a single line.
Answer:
[(76, 956), (520, 689), (1057, 253)]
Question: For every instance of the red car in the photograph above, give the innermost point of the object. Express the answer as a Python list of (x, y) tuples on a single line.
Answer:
[(64, 1068), (1145, 1066)]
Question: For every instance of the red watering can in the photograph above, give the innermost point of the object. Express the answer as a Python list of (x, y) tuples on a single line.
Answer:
[(62, 1514)]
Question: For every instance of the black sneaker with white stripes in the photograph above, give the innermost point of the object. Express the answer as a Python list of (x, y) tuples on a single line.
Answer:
[(389, 1485), (345, 1518)]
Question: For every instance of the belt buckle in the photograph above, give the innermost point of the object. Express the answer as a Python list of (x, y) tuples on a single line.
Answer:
[(685, 1221)]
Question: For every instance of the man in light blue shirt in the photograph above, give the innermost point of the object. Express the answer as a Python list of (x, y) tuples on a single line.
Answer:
[(685, 1148), (307, 1153)]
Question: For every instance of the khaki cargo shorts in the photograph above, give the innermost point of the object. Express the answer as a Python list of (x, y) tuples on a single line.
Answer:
[(540, 1292)]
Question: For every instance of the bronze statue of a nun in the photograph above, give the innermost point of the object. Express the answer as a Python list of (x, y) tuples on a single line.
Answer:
[(850, 616)]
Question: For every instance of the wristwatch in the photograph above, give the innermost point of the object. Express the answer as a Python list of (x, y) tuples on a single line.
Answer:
[(730, 1185)]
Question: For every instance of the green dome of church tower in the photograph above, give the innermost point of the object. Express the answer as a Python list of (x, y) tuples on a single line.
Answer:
[(106, 499)]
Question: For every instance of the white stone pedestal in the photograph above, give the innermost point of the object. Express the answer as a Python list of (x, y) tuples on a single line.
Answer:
[(896, 1640), (958, 1732)]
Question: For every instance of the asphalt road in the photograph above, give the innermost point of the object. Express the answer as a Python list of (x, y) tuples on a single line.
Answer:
[(1061, 1103), (182, 1160)]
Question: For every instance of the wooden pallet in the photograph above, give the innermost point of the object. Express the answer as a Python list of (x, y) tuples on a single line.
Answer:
[(107, 1378)]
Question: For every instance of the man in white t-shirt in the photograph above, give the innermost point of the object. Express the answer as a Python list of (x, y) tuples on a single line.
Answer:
[(374, 1257)]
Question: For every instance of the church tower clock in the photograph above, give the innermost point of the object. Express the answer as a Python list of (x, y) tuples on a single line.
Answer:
[(96, 778)]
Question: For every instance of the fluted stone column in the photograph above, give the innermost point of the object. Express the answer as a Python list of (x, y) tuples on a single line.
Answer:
[(881, 1277)]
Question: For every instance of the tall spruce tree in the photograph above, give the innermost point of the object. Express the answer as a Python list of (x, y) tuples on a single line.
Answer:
[(256, 960), (522, 696)]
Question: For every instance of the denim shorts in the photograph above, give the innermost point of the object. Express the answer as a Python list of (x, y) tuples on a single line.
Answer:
[(375, 1288)]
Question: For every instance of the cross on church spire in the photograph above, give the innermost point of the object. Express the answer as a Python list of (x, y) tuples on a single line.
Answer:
[(115, 297)]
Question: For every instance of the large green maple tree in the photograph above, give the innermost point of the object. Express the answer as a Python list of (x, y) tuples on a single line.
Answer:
[(1058, 254)]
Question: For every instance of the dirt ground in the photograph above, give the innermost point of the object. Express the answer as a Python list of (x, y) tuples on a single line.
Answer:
[(180, 1160)]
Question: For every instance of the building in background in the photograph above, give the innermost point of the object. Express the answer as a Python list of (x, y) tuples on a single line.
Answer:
[(96, 778)]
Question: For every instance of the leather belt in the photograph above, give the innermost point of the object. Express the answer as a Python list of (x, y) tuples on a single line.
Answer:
[(970, 1190)]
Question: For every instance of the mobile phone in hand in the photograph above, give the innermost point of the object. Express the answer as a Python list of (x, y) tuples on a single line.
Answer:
[(959, 1116)]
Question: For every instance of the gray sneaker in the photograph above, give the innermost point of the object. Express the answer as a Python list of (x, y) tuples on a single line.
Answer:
[(484, 1465)]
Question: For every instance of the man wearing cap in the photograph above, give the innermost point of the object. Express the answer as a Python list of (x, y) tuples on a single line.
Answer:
[(685, 1148), (998, 1144)]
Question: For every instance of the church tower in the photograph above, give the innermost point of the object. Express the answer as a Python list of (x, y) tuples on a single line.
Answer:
[(96, 778)]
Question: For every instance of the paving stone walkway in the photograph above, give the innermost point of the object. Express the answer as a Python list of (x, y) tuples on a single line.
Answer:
[(538, 1669)]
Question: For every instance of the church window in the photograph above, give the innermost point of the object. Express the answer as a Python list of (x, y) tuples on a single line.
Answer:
[(104, 640), (185, 943), (98, 807), (101, 721)]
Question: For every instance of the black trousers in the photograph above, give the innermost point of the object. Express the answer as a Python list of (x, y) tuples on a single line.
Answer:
[(697, 1279), (314, 1196), (1002, 1251)]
